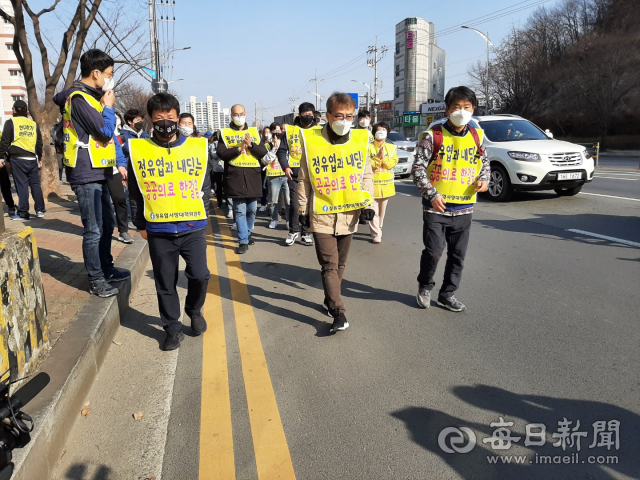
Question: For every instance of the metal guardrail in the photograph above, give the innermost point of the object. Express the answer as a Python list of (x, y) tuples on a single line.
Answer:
[(594, 150)]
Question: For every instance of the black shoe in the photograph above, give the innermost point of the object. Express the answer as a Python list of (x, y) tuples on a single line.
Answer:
[(423, 297), (100, 288), (198, 323), (117, 275), (242, 248), (11, 212), (450, 303), (251, 240), (339, 323), (172, 342)]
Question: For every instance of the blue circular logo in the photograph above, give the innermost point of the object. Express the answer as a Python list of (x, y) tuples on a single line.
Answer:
[(152, 216), (325, 208), (104, 161)]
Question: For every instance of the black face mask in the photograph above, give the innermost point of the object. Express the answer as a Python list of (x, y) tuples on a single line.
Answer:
[(306, 120), (165, 129), (138, 126)]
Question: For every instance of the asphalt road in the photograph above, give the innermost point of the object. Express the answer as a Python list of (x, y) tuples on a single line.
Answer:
[(550, 333)]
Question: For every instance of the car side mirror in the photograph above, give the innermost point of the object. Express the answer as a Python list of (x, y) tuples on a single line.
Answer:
[(548, 133)]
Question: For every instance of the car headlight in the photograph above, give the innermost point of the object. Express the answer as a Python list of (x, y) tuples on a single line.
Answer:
[(525, 156), (587, 155)]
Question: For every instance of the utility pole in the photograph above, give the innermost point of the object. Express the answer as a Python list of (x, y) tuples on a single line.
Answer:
[(378, 54), (315, 79), (293, 102), (256, 114)]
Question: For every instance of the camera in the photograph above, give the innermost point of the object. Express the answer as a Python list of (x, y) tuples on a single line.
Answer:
[(15, 425)]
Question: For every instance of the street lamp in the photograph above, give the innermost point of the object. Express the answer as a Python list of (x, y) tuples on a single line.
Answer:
[(366, 85), (489, 44), (320, 97)]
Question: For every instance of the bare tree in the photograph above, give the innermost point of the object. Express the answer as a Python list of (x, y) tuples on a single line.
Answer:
[(60, 68)]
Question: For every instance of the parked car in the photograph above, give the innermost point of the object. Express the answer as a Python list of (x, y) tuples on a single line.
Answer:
[(401, 142), (524, 158), (405, 162)]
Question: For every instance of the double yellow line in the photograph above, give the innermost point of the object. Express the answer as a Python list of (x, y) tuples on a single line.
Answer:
[(273, 460)]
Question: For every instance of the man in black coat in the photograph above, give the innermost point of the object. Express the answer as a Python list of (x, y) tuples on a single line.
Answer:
[(242, 178)]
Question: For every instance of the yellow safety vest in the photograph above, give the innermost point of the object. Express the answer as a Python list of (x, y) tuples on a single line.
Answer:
[(295, 146), (170, 179), (234, 138), (24, 134), (102, 154), (454, 173), (383, 184), (336, 171)]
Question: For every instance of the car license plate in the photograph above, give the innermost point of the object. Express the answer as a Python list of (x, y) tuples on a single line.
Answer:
[(570, 176), (398, 170)]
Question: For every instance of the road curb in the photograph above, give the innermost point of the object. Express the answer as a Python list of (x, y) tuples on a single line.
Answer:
[(73, 365)]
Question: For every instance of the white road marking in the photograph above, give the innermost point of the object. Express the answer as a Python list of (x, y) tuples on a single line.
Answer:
[(604, 237), (618, 178), (610, 196), (618, 172)]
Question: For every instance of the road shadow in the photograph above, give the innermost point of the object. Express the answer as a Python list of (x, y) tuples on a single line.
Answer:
[(59, 266), (80, 472), (623, 227), (541, 461)]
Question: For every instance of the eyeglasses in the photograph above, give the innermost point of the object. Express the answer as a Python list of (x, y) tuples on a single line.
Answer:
[(105, 76), (340, 117)]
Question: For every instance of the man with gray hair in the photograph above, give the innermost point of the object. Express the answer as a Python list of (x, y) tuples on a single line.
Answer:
[(335, 190)]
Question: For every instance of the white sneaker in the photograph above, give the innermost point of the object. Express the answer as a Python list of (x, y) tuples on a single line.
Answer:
[(291, 238), (234, 227), (263, 208), (230, 214), (273, 224), (307, 239), (40, 214)]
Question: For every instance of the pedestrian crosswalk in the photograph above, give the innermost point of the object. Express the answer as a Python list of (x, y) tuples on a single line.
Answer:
[(623, 175)]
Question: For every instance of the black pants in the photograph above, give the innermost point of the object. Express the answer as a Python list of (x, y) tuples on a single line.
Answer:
[(165, 253), (217, 182), (5, 186), (439, 231), (119, 199), (26, 176), (294, 205)]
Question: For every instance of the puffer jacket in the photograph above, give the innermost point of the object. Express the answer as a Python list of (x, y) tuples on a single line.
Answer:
[(343, 223)]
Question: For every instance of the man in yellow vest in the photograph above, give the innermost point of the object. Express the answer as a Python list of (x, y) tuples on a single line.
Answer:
[(22, 141), (335, 189), (241, 149), (451, 167), (168, 172), (91, 150)]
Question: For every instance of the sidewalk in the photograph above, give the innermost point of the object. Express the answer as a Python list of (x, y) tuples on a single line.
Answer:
[(59, 239)]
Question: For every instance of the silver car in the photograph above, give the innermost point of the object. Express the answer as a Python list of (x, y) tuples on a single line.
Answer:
[(406, 156)]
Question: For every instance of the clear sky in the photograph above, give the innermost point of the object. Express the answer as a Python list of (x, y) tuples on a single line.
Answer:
[(248, 51)]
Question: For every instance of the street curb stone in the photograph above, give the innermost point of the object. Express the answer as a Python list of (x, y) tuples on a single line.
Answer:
[(73, 365)]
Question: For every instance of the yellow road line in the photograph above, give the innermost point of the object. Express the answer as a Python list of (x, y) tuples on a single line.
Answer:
[(216, 436), (273, 460)]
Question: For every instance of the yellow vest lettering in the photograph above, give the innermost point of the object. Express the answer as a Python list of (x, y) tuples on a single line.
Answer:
[(24, 134), (294, 138), (336, 171), (383, 184), (101, 154), (234, 138), (454, 173), (170, 181)]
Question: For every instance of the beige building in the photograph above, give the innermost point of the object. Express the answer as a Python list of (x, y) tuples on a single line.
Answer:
[(11, 78)]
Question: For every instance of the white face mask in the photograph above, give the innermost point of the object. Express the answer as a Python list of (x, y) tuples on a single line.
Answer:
[(364, 122), (460, 117), (239, 120), (268, 137), (341, 127), (381, 134), (109, 83), (186, 131)]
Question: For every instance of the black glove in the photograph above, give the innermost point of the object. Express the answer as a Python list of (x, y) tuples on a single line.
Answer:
[(367, 214), (304, 220)]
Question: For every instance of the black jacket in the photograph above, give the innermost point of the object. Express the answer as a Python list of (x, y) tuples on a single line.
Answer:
[(241, 182), (13, 151), (283, 150)]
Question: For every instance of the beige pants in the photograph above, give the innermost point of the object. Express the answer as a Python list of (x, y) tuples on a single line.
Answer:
[(379, 205)]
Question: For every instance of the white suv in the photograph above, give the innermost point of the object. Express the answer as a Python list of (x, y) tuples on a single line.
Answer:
[(524, 158)]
